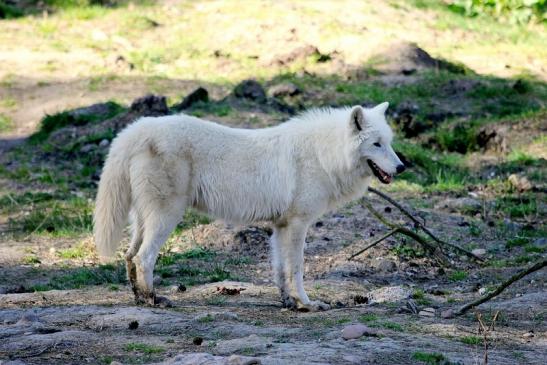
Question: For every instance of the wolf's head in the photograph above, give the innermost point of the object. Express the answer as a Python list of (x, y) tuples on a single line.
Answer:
[(374, 136)]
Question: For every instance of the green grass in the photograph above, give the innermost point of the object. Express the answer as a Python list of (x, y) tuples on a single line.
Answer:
[(367, 318), (56, 217), (76, 252), (206, 319), (457, 275), (78, 278), (143, 348), (430, 358), (419, 296), (471, 340), (6, 124), (53, 122)]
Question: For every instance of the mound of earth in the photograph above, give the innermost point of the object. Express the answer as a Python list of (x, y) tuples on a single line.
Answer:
[(407, 58)]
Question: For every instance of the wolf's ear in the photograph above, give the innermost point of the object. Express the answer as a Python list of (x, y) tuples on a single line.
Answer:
[(382, 107), (357, 119)]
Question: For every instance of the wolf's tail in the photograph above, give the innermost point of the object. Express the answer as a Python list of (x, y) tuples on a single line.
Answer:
[(113, 202)]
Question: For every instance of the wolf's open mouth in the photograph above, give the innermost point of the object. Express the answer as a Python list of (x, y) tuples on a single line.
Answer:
[(383, 176)]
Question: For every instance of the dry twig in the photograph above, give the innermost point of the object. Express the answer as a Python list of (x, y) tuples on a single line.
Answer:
[(421, 226), (535, 267)]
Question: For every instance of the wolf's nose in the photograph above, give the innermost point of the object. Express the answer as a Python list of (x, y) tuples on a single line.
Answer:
[(400, 168)]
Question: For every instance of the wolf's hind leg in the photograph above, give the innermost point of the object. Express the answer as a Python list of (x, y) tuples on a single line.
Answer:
[(157, 228), (137, 226)]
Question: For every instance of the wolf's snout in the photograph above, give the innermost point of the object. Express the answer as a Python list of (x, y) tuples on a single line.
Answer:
[(400, 168)]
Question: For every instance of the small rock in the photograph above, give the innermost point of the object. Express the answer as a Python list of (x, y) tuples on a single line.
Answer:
[(480, 252), (540, 242), (284, 89), (427, 312), (446, 314), (197, 341), (86, 148), (198, 95), (493, 137), (250, 89), (528, 335), (482, 291), (104, 143), (180, 288), (150, 106), (386, 266), (354, 331), (157, 280), (469, 205), (521, 183)]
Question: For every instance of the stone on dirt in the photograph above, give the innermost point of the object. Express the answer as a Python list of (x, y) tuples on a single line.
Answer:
[(460, 204), (249, 343), (389, 294), (198, 95), (354, 331), (479, 252), (386, 266), (250, 89), (283, 89), (427, 312), (202, 358), (406, 58), (521, 183), (493, 137)]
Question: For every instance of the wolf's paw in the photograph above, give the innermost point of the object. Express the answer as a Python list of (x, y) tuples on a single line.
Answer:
[(313, 306)]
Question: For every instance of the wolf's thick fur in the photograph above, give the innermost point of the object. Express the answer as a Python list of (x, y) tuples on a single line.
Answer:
[(289, 174)]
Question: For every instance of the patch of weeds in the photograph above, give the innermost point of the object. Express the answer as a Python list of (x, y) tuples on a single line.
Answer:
[(217, 300), (436, 172), (85, 276), (516, 242), (77, 252), (53, 122), (474, 230), (343, 320), (30, 260), (144, 348), (239, 260), (533, 249), (457, 275), (407, 251), (192, 218), (60, 218), (8, 11), (419, 296), (471, 340), (6, 124), (107, 360), (219, 109), (431, 358), (367, 318), (389, 325), (519, 206), (206, 319)]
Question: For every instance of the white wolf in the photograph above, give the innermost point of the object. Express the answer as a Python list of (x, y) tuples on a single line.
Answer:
[(289, 174)]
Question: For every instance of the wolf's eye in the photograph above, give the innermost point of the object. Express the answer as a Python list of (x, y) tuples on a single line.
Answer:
[(377, 144)]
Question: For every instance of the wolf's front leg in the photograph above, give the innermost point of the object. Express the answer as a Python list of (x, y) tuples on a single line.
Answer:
[(290, 240)]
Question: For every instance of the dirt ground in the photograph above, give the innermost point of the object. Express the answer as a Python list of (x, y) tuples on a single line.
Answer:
[(94, 324), (59, 305)]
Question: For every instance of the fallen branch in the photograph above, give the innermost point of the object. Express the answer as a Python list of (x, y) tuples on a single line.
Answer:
[(535, 267), (389, 234), (402, 230), (421, 226)]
